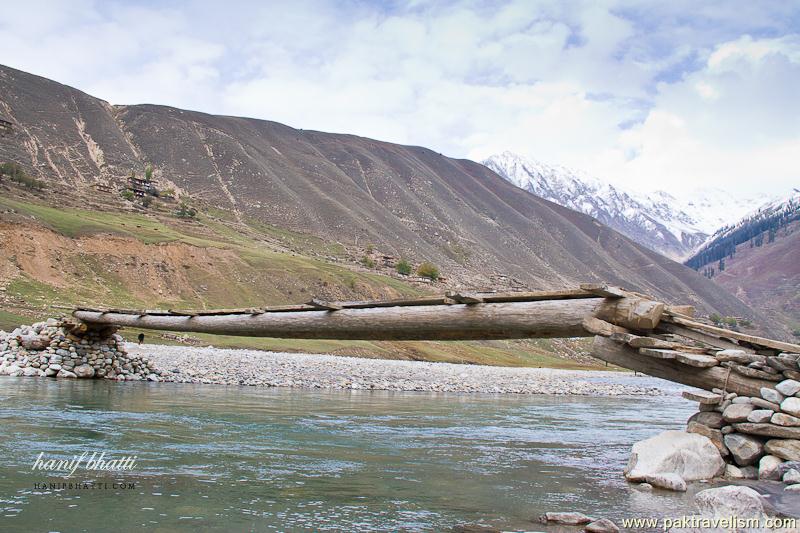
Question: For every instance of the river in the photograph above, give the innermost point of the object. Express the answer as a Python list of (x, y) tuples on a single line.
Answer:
[(268, 459)]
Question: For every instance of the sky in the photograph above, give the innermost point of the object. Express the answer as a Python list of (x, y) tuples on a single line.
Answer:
[(646, 95)]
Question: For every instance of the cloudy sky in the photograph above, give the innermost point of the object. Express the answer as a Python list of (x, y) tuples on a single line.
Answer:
[(670, 95)]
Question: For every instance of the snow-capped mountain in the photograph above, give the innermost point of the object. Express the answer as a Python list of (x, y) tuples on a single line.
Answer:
[(671, 226)]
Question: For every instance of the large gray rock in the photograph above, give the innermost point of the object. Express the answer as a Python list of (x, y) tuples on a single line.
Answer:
[(714, 435), (746, 449), (691, 456), (791, 477), (742, 502), (788, 449)]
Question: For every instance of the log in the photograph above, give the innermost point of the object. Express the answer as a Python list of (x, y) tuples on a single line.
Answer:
[(513, 320), (703, 378)]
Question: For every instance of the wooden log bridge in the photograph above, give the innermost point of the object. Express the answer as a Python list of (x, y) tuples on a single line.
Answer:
[(631, 330)]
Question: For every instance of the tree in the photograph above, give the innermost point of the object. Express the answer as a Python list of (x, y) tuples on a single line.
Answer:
[(428, 270), (368, 262), (715, 318), (722, 265), (403, 267), (148, 172)]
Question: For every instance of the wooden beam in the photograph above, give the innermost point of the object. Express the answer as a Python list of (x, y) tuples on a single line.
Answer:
[(704, 378), (699, 336), (548, 318), (751, 339), (601, 289), (681, 310)]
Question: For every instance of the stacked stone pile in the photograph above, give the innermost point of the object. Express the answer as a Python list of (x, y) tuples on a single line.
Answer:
[(759, 436), (57, 348)]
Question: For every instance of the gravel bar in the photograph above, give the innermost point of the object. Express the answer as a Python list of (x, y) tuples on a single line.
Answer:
[(275, 369)]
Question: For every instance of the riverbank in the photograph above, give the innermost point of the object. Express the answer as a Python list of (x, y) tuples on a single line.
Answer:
[(274, 369)]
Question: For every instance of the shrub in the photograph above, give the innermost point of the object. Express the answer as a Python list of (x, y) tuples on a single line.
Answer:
[(148, 172), (428, 270), (18, 175), (729, 321), (715, 318), (146, 201), (185, 211), (745, 323), (368, 262), (370, 248), (403, 267), (128, 195)]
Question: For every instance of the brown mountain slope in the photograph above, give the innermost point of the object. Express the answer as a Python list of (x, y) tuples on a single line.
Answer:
[(768, 276), (409, 201)]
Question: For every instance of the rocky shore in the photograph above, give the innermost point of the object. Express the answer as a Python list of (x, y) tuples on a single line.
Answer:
[(272, 369)]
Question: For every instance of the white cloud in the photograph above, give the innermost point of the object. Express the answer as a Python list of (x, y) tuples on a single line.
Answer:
[(670, 94)]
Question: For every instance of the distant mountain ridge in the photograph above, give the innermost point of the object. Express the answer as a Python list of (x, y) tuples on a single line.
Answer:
[(758, 259), (660, 221)]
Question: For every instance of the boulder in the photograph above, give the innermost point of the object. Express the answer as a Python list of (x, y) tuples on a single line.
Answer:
[(667, 481), (65, 374), (714, 435), (760, 416), (689, 455), (791, 406), (567, 519), (604, 525), (740, 356), (788, 387), (737, 412), (769, 468), (788, 449), (732, 500), (746, 449), (30, 371), (793, 488)]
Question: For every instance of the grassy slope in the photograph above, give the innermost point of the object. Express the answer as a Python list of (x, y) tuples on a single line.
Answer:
[(216, 229)]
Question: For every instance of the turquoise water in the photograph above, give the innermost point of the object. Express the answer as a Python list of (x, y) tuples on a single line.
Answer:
[(239, 458)]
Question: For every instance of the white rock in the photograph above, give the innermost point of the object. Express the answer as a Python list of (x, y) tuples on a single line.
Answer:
[(771, 395), (689, 455), (791, 477), (667, 481), (793, 488), (788, 387), (768, 467), (791, 406), (569, 519), (29, 371), (760, 416), (742, 502)]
